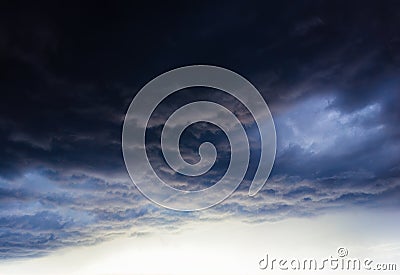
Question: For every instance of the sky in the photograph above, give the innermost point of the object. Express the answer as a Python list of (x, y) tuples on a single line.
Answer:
[(328, 70)]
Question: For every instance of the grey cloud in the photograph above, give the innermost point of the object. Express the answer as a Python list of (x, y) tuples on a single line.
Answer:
[(329, 75)]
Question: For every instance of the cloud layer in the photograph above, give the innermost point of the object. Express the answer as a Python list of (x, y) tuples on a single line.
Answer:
[(329, 72)]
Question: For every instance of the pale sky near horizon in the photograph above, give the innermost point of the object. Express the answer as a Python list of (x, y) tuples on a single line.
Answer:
[(230, 247)]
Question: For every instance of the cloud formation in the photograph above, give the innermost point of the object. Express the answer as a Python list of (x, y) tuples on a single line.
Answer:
[(329, 72)]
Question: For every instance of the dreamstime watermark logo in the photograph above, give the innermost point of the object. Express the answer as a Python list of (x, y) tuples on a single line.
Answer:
[(153, 93), (340, 262)]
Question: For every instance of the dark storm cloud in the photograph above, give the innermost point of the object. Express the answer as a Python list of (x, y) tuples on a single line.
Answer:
[(328, 70)]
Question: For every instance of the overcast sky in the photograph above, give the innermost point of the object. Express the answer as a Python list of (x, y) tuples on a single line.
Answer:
[(329, 71)]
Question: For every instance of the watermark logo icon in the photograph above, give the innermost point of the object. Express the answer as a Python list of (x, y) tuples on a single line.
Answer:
[(153, 93), (342, 252)]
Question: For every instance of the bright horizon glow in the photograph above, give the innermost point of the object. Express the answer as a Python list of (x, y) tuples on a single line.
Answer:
[(228, 247)]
